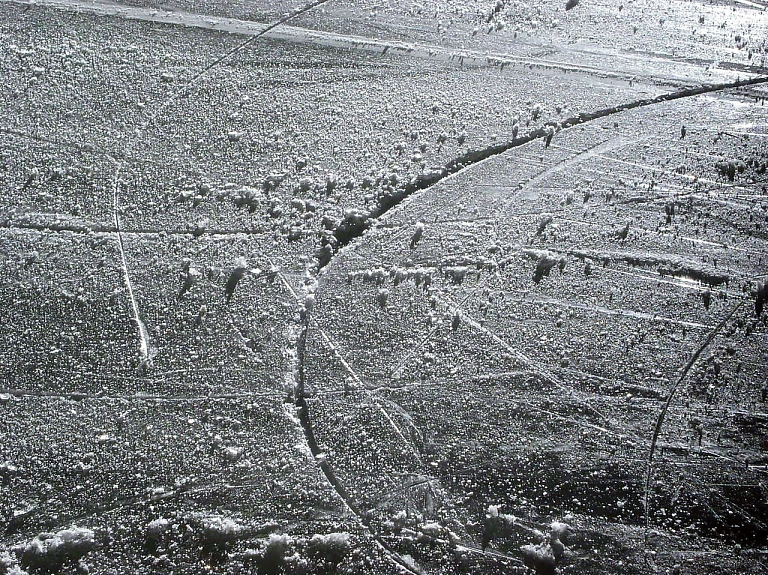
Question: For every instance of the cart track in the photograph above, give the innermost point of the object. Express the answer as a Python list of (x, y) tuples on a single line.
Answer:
[(627, 71)]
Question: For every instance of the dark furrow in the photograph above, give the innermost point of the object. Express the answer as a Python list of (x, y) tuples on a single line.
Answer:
[(665, 407), (309, 433), (351, 229)]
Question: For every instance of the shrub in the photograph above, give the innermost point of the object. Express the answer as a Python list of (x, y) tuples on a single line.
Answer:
[(329, 549), (382, 297), (456, 321), (234, 278), (549, 133), (8, 565), (544, 221), (417, 233), (272, 559), (217, 533), (761, 297), (544, 557), (544, 265), (456, 274), (539, 558), (51, 551), (156, 533), (728, 168)]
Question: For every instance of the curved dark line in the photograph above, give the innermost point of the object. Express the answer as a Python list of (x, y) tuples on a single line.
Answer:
[(346, 232), (663, 412), (309, 433)]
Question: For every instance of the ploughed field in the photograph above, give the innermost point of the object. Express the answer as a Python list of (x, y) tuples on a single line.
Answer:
[(437, 287)]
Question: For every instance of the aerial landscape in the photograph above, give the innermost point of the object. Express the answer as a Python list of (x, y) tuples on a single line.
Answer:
[(384, 287)]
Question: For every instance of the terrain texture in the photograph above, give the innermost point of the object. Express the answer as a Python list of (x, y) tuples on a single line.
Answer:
[(382, 287)]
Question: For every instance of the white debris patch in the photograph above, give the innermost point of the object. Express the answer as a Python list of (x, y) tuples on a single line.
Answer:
[(275, 552), (9, 565), (218, 531), (157, 532), (331, 548), (51, 551)]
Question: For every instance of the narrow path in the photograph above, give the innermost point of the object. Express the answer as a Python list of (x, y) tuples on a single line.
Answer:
[(146, 350), (297, 369), (580, 156), (623, 67)]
